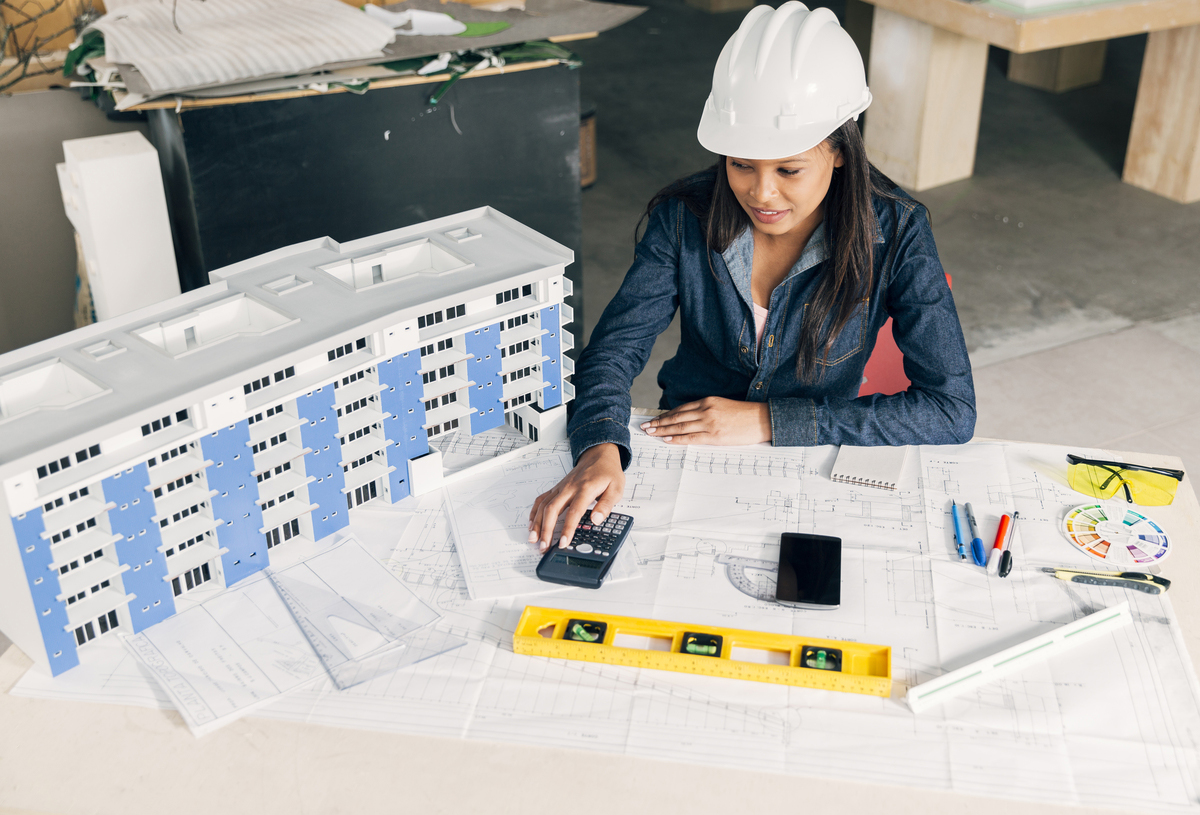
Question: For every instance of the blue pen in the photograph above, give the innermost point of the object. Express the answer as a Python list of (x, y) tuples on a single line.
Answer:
[(960, 532), (977, 553)]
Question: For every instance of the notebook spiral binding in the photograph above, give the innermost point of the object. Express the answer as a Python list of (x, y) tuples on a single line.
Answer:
[(865, 482)]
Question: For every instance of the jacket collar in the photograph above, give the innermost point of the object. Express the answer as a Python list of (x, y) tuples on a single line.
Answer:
[(739, 256), (739, 259)]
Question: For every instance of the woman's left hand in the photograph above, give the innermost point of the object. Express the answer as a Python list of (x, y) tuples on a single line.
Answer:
[(713, 420)]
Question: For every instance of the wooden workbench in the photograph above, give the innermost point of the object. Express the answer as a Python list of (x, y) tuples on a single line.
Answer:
[(926, 66)]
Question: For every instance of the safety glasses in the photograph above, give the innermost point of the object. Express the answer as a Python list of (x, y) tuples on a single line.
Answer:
[(1148, 486)]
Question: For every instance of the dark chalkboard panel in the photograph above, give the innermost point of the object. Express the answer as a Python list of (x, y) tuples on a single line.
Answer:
[(247, 178)]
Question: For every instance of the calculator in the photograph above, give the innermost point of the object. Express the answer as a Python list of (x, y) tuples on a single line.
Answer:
[(590, 555)]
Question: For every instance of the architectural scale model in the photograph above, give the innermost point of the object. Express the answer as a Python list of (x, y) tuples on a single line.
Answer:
[(178, 444)]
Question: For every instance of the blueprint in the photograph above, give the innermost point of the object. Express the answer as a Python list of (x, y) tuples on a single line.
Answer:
[(1114, 722)]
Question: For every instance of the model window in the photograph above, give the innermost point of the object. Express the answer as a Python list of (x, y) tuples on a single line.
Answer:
[(54, 466), (289, 530), (191, 579), (259, 384), (88, 631), (84, 455)]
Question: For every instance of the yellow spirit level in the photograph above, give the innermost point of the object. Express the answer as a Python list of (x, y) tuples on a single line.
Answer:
[(806, 662)]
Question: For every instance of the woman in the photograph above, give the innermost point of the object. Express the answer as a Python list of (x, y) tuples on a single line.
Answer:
[(784, 259)]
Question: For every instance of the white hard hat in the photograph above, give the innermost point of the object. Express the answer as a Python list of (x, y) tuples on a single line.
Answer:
[(785, 80)]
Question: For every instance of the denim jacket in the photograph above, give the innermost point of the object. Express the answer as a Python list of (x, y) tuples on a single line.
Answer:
[(674, 270)]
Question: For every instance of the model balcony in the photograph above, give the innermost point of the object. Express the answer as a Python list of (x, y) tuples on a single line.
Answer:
[(92, 606), (272, 457), (520, 333), (190, 527), (361, 420), (88, 575), (192, 557), (524, 359), (529, 384), (195, 493), (76, 512), (285, 482), (440, 359), (77, 546), (442, 386), (444, 413), (280, 514), (176, 468), (371, 471), (273, 426), (362, 446), (362, 389)]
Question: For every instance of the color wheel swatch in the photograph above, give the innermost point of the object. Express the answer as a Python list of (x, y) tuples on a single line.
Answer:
[(1115, 535)]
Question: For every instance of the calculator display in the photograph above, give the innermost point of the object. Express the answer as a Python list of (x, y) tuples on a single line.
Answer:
[(580, 563)]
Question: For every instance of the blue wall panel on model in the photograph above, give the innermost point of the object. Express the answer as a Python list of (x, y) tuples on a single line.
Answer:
[(133, 520), (318, 432), (402, 399), (552, 347), (486, 396), (232, 476), (43, 588), (398, 487)]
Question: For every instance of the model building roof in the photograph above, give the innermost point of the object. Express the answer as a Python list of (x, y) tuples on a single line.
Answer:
[(281, 307)]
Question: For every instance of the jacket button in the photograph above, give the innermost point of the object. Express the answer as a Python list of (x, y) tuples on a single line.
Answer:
[(758, 386), (745, 350)]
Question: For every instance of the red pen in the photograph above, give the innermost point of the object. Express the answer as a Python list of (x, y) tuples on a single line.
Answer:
[(993, 565)]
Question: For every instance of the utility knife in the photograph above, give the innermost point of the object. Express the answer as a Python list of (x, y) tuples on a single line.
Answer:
[(1138, 581)]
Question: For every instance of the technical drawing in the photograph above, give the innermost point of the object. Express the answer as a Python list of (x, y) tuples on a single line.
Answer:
[(178, 445)]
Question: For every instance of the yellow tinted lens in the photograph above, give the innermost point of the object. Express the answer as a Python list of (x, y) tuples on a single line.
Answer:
[(1093, 480), (1105, 481), (1151, 489)]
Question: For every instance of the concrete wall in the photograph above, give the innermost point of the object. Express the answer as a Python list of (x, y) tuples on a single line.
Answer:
[(37, 243)]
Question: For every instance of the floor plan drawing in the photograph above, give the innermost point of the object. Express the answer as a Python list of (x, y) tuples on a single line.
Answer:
[(1116, 723)]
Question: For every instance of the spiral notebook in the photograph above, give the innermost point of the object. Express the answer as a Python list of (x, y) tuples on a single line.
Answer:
[(869, 466)]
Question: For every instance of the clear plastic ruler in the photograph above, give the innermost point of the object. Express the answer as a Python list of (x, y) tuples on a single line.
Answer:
[(361, 621)]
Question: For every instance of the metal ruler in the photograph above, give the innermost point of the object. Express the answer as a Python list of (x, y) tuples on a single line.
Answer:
[(807, 662)]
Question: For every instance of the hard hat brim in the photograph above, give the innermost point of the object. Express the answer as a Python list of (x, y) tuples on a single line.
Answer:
[(762, 143)]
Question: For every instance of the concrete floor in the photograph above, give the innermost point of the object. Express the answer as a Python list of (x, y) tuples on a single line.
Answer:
[(1079, 295)]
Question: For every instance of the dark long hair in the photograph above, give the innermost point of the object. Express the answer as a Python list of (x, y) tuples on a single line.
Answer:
[(849, 233)]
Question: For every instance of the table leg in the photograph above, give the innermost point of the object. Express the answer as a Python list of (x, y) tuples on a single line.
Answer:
[(928, 88), (1059, 69), (1164, 143)]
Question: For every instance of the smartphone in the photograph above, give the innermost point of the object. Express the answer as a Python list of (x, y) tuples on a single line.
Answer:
[(810, 571)]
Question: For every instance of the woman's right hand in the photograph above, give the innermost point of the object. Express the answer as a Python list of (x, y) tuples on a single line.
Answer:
[(597, 476)]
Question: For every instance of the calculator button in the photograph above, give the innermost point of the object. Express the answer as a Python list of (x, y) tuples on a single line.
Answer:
[(584, 548)]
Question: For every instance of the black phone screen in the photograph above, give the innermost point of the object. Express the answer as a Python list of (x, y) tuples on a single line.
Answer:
[(810, 570)]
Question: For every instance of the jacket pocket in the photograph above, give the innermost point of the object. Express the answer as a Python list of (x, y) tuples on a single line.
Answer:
[(850, 340)]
